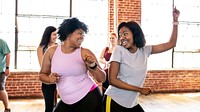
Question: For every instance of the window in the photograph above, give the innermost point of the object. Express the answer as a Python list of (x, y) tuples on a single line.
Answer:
[(7, 23), (157, 27), (33, 16)]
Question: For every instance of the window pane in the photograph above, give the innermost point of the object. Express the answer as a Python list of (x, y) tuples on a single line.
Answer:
[(157, 29), (94, 13), (7, 25), (33, 19), (44, 7)]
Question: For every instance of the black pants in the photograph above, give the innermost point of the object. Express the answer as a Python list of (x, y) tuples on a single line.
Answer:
[(106, 83), (49, 94), (92, 102), (115, 107)]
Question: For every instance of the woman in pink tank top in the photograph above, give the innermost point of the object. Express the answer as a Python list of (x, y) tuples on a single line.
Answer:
[(73, 68)]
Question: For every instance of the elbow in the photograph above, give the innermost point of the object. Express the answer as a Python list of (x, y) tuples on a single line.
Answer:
[(112, 82), (171, 45), (174, 45), (40, 77), (101, 79), (103, 76)]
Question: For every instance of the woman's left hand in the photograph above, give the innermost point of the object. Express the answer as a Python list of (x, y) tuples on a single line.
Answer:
[(89, 59)]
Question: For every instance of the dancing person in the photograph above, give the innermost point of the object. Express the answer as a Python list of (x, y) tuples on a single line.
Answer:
[(105, 57), (128, 66), (49, 90), (4, 72), (71, 66)]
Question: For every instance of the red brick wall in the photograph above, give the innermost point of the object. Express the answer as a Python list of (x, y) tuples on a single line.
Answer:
[(23, 84), (173, 80), (126, 10), (27, 84), (111, 16)]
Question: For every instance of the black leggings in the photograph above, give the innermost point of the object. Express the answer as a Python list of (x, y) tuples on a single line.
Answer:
[(49, 96), (112, 106), (92, 102)]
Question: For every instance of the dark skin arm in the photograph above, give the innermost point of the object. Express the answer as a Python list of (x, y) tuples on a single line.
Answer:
[(97, 73), (172, 41), (45, 74), (114, 81)]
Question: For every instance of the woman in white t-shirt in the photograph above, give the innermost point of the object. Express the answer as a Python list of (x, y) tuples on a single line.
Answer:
[(128, 66)]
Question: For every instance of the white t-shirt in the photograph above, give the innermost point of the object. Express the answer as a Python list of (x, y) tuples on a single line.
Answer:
[(132, 70)]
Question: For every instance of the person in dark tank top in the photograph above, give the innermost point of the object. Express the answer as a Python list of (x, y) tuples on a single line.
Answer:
[(105, 57)]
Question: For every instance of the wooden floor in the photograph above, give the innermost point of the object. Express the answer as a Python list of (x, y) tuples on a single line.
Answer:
[(184, 102)]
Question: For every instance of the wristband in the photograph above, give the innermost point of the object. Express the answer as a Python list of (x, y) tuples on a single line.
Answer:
[(7, 67), (175, 23), (93, 66)]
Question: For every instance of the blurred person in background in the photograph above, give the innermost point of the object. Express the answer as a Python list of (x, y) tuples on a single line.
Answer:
[(105, 57), (49, 90), (4, 72)]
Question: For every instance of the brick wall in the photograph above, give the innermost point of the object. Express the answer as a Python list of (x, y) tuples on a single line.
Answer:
[(23, 84), (27, 84), (126, 10), (173, 80)]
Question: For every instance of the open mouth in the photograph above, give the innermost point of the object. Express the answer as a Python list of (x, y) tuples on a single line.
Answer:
[(80, 41), (124, 42)]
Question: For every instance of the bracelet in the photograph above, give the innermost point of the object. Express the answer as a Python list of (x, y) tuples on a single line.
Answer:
[(93, 66), (175, 23)]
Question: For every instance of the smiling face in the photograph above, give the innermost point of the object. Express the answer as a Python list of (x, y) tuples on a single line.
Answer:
[(53, 37), (126, 37), (113, 39), (76, 38)]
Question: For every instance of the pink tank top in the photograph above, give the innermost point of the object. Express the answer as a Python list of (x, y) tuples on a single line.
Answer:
[(74, 82)]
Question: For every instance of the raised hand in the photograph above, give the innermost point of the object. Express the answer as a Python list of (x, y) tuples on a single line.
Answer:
[(176, 14)]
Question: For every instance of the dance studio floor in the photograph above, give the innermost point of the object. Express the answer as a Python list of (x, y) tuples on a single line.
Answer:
[(173, 102)]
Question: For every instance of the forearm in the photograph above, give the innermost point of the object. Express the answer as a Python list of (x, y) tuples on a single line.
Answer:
[(174, 34), (8, 60), (123, 85), (98, 74), (44, 78)]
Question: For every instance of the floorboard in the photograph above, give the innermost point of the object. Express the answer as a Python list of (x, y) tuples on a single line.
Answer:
[(173, 102)]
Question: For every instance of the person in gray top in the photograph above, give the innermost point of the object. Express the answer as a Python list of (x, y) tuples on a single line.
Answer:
[(128, 66)]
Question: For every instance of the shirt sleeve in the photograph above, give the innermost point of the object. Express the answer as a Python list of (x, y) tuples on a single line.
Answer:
[(116, 55), (148, 50), (5, 48)]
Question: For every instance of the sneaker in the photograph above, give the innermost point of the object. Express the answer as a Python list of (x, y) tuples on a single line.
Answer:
[(7, 110)]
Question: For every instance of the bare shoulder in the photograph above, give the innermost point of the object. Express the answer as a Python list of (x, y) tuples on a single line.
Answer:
[(39, 48), (105, 48), (86, 51), (50, 51)]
